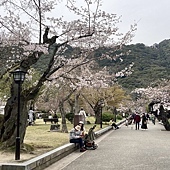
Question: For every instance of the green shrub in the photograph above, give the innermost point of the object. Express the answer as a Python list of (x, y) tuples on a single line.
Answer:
[(70, 117), (106, 117), (119, 117), (169, 120), (59, 115), (127, 114)]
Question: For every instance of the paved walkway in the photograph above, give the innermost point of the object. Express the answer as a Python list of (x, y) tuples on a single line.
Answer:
[(123, 149)]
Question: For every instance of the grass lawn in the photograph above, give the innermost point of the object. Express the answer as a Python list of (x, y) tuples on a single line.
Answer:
[(38, 140), (39, 135)]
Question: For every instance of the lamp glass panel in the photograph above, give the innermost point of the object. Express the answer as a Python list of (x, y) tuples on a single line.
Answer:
[(19, 76), (22, 76)]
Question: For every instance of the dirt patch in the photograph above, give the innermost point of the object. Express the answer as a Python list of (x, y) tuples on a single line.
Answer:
[(9, 157)]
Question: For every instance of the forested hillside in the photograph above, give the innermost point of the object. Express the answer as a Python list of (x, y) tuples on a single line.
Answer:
[(150, 64)]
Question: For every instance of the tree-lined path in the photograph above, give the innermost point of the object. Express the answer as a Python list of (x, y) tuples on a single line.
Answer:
[(124, 149)]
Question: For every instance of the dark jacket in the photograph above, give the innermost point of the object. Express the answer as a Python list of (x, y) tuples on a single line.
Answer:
[(137, 118)]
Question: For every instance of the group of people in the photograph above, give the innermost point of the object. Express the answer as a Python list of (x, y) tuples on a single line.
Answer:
[(138, 119), (142, 120), (53, 116), (77, 135), (32, 117)]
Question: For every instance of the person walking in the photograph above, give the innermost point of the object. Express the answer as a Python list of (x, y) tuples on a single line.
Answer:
[(144, 122), (127, 122), (137, 120), (153, 118), (30, 116), (83, 114), (148, 117)]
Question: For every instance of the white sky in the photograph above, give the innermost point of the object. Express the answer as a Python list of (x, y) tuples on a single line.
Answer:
[(153, 17)]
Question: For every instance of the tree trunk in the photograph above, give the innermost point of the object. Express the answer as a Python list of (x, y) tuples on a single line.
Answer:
[(72, 104), (63, 117), (77, 103), (97, 111), (165, 120), (167, 125), (8, 131)]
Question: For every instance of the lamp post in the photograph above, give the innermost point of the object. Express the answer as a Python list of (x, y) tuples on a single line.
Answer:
[(115, 112), (19, 77), (101, 107)]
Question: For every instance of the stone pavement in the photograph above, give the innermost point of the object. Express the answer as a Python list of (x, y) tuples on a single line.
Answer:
[(123, 149)]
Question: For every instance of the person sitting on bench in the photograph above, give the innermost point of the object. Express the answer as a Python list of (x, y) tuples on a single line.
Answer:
[(75, 137)]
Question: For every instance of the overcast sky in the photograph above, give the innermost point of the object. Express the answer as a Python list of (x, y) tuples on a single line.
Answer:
[(153, 17)]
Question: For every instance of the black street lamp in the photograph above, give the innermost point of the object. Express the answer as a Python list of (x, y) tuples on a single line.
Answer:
[(115, 113), (19, 77), (101, 107)]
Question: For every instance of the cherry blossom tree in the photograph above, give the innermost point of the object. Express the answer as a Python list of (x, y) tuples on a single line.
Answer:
[(156, 96), (158, 92), (21, 28)]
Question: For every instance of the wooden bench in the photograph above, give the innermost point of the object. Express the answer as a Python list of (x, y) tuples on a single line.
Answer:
[(52, 120)]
